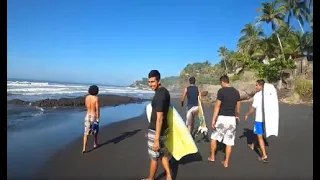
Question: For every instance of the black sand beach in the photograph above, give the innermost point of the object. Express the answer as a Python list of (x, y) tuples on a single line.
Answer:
[(123, 153)]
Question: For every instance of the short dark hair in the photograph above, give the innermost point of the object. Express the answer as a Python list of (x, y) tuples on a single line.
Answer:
[(261, 82), (192, 80), (224, 79), (93, 90), (154, 73)]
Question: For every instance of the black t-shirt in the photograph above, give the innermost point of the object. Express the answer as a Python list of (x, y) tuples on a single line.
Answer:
[(160, 103), (229, 97)]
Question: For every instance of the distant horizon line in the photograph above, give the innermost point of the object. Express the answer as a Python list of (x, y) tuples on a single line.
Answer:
[(64, 82)]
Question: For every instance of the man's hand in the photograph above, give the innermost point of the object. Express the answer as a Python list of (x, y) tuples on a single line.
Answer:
[(246, 117), (182, 103), (156, 146), (213, 123)]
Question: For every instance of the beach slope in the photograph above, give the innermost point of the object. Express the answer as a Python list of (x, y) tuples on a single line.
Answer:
[(123, 152)]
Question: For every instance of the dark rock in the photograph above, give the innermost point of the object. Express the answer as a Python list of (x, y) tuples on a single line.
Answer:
[(18, 102), (105, 100), (204, 93)]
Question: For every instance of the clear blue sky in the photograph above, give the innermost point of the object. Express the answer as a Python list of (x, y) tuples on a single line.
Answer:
[(119, 41)]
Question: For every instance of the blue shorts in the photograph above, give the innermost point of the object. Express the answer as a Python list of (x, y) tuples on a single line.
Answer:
[(258, 128)]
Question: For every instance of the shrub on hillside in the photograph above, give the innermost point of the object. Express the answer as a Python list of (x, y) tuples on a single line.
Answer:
[(234, 78), (304, 88)]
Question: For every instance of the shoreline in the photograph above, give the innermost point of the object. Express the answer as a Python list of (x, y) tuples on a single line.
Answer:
[(124, 141), (59, 128)]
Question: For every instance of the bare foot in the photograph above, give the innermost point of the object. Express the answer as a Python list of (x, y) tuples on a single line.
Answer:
[(169, 178), (263, 159), (225, 164), (211, 159), (147, 179), (251, 146), (96, 145)]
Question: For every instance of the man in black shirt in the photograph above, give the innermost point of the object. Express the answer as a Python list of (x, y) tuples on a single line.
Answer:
[(226, 112), (192, 92), (158, 126)]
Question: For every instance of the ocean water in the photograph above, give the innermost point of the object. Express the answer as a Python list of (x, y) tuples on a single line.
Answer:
[(36, 90), (34, 133)]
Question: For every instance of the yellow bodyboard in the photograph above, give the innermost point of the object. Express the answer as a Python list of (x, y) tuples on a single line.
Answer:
[(179, 141)]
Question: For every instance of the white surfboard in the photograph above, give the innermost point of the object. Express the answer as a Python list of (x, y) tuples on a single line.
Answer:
[(179, 141), (271, 110)]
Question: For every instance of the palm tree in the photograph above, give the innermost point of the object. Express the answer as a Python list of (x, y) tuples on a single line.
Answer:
[(292, 45), (311, 20), (270, 13), (251, 36), (274, 14), (310, 6), (267, 47), (297, 8), (223, 52)]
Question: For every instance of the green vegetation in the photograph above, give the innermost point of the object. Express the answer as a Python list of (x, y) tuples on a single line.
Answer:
[(266, 55), (167, 81), (304, 88)]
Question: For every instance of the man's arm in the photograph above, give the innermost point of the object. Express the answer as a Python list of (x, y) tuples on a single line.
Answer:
[(216, 108), (97, 108), (238, 110), (252, 108), (199, 95), (85, 102), (184, 94), (158, 125), (159, 109), (238, 106), (216, 111)]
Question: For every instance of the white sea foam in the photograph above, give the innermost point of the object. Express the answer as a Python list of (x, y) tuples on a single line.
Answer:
[(57, 90)]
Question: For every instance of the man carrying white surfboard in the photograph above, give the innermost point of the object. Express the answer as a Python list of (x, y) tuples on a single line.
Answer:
[(192, 92), (258, 123), (225, 114), (158, 126)]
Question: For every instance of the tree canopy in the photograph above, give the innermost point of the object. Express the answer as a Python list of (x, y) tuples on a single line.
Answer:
[(267, 55)]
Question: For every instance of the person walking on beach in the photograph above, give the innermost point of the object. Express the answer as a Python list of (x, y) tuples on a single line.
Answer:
[(158, 126), (192, 92), (91, 121), (225, 114), (258, 128)]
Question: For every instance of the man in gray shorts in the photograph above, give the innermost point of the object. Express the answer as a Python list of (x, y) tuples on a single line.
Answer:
[(192, 93), (226, 112), (158, 126)]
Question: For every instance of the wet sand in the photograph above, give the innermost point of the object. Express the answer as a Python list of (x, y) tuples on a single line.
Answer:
[(123, 152)]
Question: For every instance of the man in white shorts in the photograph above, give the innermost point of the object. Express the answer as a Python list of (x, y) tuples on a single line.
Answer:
[(225, 114), (192, 93)]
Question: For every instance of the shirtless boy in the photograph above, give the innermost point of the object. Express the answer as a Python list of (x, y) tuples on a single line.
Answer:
[(91, 121)]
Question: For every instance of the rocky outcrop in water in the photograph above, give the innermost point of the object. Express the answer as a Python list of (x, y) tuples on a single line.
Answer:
[(105, 100)]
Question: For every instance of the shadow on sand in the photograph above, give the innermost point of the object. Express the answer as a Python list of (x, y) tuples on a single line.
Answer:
[(252, 138), (174, 164), (118, 139)]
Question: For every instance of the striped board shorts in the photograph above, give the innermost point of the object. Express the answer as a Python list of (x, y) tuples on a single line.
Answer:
[(91, 125), (155, 155)]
